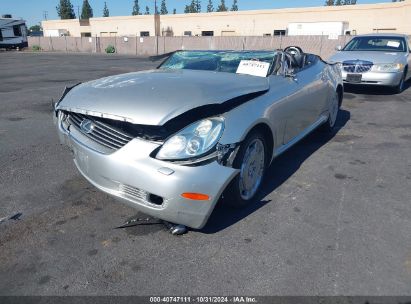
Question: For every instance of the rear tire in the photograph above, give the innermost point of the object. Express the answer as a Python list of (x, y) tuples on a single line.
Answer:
[(252, 160), (333, 110)]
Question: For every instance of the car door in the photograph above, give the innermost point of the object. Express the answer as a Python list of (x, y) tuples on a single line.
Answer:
[(308, 102)]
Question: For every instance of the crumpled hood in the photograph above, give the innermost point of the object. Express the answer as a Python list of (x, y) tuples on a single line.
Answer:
[(374, 57), (154, 97)]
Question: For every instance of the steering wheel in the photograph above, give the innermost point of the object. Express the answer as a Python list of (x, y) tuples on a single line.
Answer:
[(293, 50)]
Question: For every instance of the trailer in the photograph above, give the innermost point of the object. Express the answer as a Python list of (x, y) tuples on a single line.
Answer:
[(333, 28), (13, 33), (56, 33)]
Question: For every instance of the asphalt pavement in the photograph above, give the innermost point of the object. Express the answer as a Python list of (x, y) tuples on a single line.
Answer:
[(334, 218)]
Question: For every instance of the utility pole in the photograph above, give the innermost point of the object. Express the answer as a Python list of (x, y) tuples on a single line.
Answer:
[(156, 19), (45, 15), (78, 11), (156, 24)]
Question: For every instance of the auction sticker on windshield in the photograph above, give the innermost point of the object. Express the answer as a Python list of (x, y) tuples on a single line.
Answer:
[(395, 44), (253, 68)]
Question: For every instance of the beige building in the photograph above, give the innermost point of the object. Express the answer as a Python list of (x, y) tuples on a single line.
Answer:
[(359, 19)]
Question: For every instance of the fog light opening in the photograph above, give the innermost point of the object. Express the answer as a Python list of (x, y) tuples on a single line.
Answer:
[(155, 199), (196, 196)]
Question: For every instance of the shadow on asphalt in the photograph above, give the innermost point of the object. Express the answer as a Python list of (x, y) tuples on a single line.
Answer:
[(372, 89), (281, 169)]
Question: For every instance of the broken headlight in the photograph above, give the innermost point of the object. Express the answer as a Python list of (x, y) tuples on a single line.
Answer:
[(193, 141)]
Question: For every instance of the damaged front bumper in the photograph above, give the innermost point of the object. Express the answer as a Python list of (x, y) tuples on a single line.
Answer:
[(150, 185)]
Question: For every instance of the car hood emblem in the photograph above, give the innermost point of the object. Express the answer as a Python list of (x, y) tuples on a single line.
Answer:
[(87, 126)]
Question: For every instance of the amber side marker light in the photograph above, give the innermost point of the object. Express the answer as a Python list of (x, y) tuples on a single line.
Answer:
[(196, 196)]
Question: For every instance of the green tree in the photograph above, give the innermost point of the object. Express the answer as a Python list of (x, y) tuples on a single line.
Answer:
[(234, 8), (136, 9), (222, 7), (329, 2), (147, 11), (163, 9), (197, 6), (65, 10), (338, 2), (35, 28), (174, 11), (106, 12), (194, 7), (210, 6), (86, 11), (189, 9)]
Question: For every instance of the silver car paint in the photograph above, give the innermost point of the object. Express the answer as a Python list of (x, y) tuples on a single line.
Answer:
[(386, 79), (168, 94), (292, 108), (284, 105)]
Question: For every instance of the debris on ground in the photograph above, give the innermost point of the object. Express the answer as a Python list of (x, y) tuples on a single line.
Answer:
[(172, 228), (14, 217)]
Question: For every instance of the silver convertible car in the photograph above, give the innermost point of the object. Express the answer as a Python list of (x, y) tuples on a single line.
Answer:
[(376, 59), (170, 141)]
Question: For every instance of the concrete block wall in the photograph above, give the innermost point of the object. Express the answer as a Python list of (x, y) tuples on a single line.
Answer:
[(149, 46)]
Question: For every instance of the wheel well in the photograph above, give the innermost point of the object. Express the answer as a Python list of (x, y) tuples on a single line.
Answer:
[(340, 92), (268, 135)]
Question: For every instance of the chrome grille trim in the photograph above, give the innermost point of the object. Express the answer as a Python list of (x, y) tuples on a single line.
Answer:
[(357, 66), (139, 195), (114, 132), (134, 192), (102, 133)]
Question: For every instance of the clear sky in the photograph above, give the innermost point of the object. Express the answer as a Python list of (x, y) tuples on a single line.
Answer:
[(33, 10)]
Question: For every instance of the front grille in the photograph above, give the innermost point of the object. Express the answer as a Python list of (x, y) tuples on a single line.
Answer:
[(100, 132), (357, 66)]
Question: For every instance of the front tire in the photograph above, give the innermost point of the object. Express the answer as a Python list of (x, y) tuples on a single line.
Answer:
[(401, 86), (252, 160)]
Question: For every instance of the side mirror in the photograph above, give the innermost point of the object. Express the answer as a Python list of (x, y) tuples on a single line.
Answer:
[(338, 48)]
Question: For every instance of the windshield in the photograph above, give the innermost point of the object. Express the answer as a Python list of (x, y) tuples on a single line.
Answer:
[(376, 43), (223, 61)]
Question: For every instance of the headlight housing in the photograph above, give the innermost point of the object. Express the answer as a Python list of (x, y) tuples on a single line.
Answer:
[(387, 67), (194, 141)]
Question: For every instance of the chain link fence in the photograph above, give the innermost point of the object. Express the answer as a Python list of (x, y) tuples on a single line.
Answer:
[(149, 46)]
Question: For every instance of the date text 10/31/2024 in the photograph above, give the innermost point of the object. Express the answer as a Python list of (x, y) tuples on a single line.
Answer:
[(236, 299)]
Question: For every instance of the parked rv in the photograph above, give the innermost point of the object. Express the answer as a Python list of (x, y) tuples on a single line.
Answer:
[(13, 33)]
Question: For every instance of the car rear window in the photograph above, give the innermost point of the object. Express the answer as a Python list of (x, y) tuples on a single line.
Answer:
[(376, 43)]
